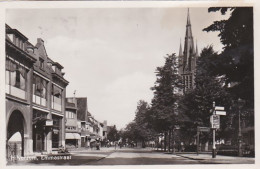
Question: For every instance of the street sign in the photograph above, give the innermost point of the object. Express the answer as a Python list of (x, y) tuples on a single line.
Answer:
[(219, 108), (223, 113), (203, 129), (215, 121)]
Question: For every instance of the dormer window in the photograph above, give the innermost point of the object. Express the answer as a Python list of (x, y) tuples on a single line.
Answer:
[(41, 63)]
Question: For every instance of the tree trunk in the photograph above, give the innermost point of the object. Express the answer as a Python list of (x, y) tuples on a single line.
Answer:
[(169, 141), (173, 142), (165, 141)]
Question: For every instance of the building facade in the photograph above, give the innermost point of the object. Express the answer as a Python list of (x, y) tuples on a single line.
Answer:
[(187, 59), (72, 130), (35, 96)]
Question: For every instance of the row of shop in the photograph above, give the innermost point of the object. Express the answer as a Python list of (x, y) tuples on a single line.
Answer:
[(82, 130), (39, 117)]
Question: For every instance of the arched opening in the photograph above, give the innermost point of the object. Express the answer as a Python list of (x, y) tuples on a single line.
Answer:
[(15, 134)]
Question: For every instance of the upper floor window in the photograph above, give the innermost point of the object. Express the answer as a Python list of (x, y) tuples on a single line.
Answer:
[(41, 63), (70, 115), (56, 98), (15, 74), (39, 86)]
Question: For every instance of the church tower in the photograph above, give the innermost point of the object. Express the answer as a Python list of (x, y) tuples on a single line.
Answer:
[(187, 59)]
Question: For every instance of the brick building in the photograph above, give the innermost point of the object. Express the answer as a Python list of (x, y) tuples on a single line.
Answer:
[(35, 97)]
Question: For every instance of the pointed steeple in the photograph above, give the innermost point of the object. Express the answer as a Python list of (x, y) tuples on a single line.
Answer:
[(180, 50), (188, 43), (188, 17), (188, 25)]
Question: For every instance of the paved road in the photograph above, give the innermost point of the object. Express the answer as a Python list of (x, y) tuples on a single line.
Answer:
[(127, 156), (141, 157)]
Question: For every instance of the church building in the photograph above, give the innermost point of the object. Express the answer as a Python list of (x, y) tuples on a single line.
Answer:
[(187, 59)]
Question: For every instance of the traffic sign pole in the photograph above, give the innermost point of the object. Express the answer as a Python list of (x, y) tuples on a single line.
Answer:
[(214, 143)]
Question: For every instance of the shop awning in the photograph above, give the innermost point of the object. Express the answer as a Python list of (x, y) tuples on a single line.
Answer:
[(72, 136)]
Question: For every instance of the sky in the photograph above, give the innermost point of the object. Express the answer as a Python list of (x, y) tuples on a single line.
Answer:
[(110, 54)]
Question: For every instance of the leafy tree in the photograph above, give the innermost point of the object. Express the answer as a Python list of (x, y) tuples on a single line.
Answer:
[(164, 114), (138, 129), (164, 101), (197, 103), (113, 134), (236, 62)]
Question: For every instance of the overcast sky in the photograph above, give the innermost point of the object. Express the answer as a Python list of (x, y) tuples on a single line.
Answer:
[(110, 55)]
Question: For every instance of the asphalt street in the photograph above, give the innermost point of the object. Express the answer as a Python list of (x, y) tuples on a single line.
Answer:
[(127, 156)]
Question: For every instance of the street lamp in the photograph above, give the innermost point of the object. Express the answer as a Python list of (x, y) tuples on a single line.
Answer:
[(240, 104)]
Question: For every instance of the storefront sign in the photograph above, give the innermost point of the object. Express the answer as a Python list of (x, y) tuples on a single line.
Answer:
[(49, 123)]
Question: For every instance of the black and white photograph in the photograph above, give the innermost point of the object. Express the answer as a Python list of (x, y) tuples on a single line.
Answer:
[(106, 86)]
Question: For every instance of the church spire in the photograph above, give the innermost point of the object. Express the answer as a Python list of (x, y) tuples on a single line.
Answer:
[(188, 26), (189, 48), (180, 50), (188, 17)]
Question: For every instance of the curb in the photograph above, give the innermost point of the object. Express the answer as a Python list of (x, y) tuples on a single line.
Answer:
[(190, 157)]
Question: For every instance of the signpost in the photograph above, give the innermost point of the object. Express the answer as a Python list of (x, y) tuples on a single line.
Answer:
[(215, 124)]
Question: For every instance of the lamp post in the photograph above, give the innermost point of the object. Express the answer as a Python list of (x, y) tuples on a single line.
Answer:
[(240, 152)]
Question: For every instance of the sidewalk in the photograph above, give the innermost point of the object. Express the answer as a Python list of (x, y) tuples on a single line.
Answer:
[(207, 158)]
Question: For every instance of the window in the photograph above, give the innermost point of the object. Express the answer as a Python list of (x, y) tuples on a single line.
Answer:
[(39, 90), (39, 86), (15, 74), (41, 63), (70, 115), (56, 131), (56, 98)]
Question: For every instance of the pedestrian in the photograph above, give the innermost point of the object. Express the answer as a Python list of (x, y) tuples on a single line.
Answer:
[(98, 145)]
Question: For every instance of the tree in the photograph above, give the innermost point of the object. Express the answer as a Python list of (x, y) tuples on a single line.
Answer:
[(236, 62), (113, 134), (138, 129), (164, 103), (197, 103)]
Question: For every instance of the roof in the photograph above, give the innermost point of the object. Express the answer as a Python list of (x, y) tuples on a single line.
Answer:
[(16, 32), (58, 65)]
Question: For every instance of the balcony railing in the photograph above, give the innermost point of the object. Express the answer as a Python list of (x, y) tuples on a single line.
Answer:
[(39, 100), (56, 103), (14, 91)]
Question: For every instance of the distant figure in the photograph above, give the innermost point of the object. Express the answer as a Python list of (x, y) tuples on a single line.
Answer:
[(115, 144), (98, 145)]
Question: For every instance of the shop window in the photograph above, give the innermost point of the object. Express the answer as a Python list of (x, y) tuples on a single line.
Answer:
[(56, 131)]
